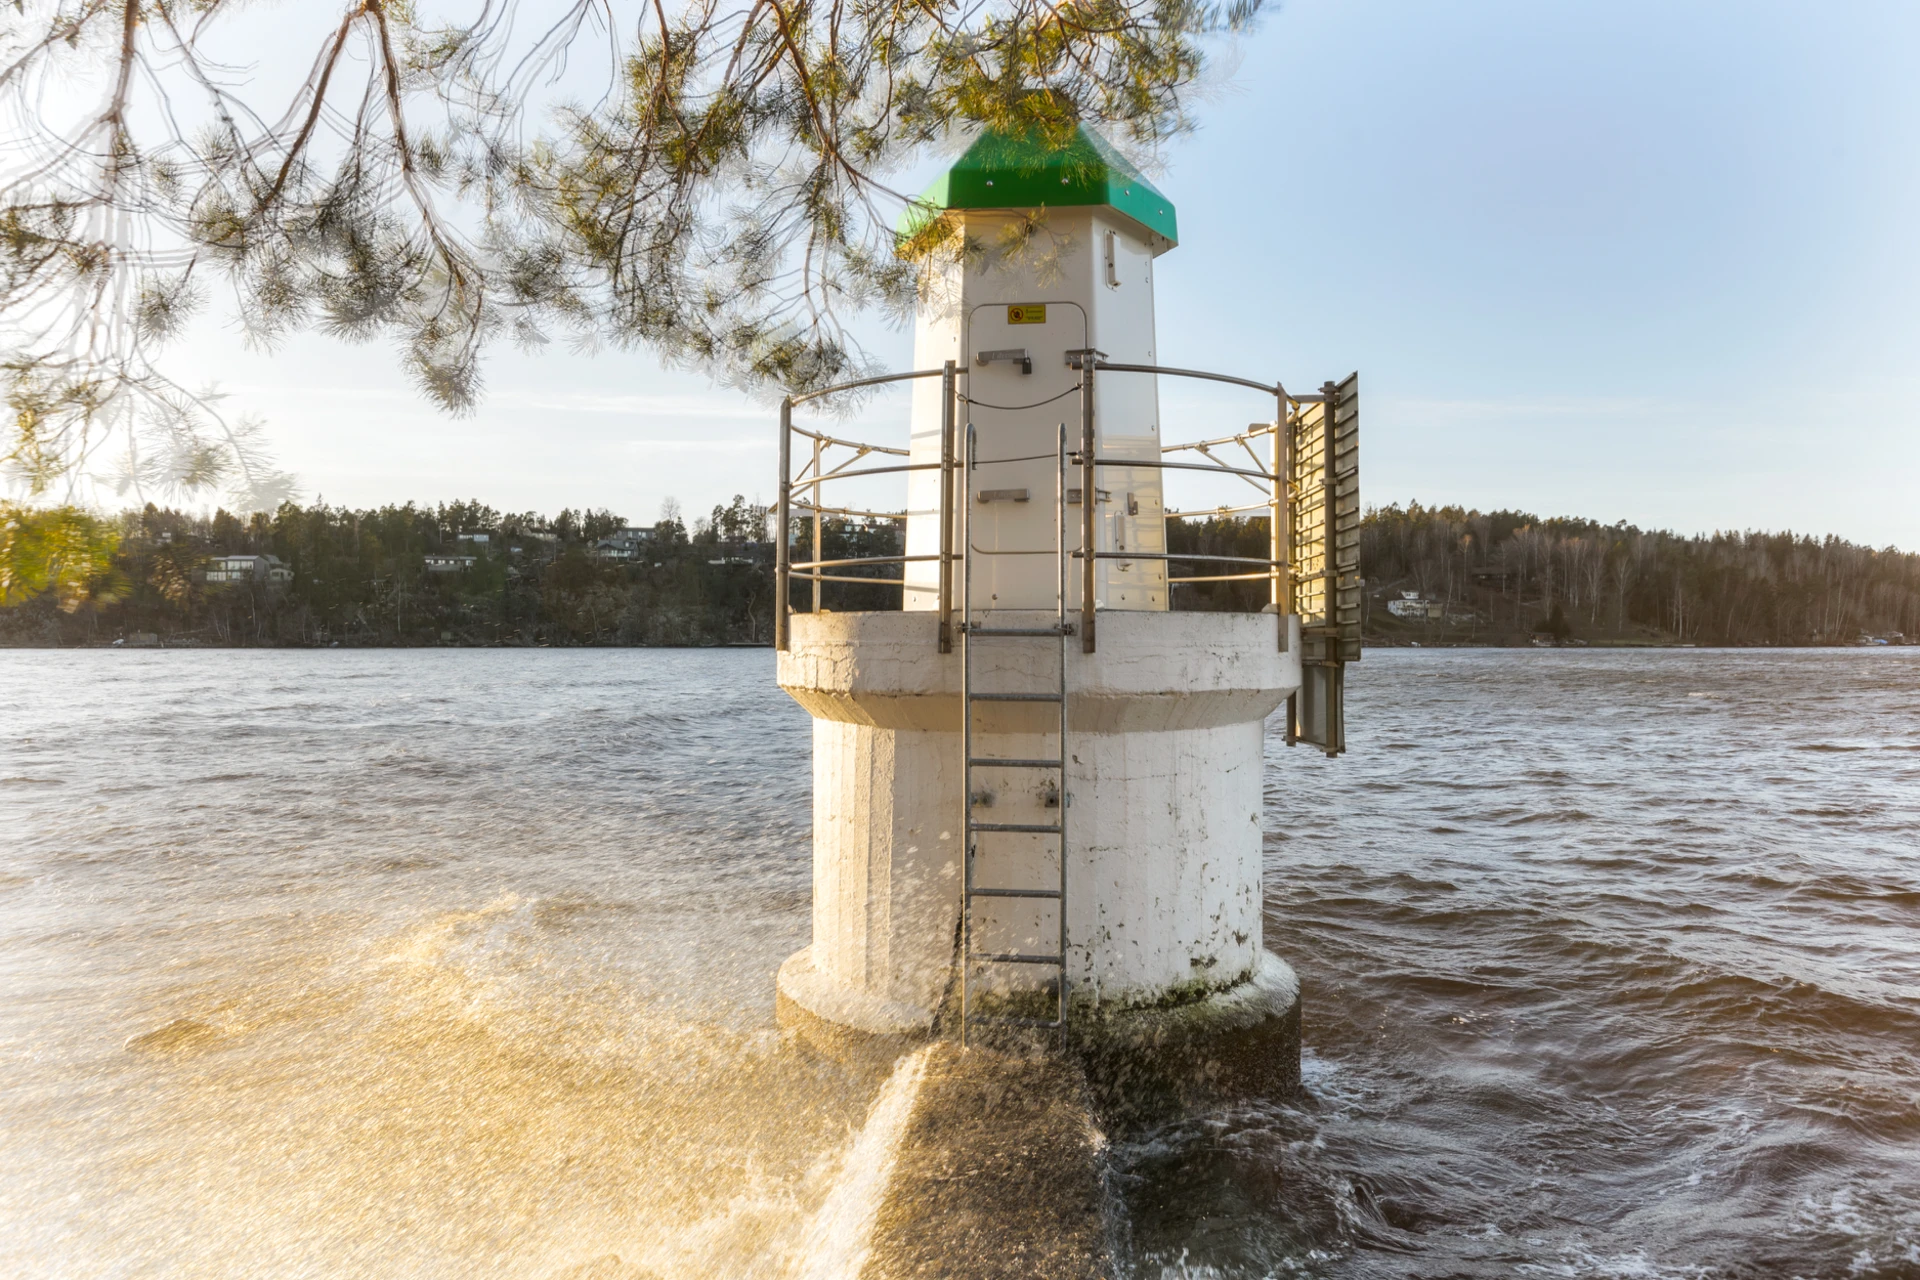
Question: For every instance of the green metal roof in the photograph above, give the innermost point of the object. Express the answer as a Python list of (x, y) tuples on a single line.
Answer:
[(1000, 171)]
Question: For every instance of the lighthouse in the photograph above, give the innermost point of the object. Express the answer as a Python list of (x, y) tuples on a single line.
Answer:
[(1038, 780)]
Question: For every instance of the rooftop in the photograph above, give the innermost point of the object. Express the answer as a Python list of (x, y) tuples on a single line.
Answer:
[(1001, 171)]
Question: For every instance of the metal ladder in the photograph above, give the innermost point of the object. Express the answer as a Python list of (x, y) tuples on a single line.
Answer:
[(972, 632)]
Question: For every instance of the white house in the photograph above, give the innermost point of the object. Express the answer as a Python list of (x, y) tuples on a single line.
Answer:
[(1413, 608)]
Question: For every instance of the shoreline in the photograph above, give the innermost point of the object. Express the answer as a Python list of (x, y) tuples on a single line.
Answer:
[(1376, 646)]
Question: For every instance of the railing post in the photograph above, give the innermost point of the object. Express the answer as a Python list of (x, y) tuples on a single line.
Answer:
[(1278, 540), (819, 553), (1089, 499), (946, 507), (782, 557)]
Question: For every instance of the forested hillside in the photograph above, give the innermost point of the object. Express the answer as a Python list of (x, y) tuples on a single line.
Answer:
[(1504, 577), (1502, 573), (368, 578), (1433, 575)]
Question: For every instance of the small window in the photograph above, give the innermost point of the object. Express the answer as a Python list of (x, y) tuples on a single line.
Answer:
[(1113, 260)]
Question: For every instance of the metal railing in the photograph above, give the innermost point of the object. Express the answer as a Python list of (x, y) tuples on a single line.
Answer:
[(813, 479), (1268, 476)]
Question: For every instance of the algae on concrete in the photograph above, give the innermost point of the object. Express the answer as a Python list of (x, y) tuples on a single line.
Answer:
[(999, 1176)]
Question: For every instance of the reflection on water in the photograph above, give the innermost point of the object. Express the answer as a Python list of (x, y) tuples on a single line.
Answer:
[(459, 963)]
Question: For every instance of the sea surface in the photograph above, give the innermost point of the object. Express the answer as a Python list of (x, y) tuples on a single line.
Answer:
[(459, 963)]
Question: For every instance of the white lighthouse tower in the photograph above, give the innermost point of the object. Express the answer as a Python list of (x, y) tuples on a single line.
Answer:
[(1038, 783)]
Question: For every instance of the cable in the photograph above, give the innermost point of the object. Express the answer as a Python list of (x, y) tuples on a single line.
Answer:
[(1012, 408), (1031, 457)]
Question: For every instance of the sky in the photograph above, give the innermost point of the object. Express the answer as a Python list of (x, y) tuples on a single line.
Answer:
[(1651, 262)]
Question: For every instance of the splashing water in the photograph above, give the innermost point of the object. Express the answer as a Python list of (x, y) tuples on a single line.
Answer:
[(384, 968), (839, 1239)]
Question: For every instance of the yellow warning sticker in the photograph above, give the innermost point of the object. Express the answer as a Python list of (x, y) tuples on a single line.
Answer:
[(1027, 313)]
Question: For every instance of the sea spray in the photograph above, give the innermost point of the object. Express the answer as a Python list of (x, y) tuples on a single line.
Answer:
[(838, 1239)]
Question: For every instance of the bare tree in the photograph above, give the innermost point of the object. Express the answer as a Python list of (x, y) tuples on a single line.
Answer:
[(1594, 567), (717, 191), (1626, 569)]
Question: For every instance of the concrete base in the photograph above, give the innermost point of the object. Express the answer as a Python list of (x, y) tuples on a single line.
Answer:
[(1001, 1170), (1143, 1062), (1239, 1042), (845, 1024)]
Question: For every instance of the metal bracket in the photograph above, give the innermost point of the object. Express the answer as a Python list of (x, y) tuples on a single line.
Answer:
[(1076, 358), (1011, 355)]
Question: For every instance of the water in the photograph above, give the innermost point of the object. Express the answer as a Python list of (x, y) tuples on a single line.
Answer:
[(459, 963), (1612, 968)]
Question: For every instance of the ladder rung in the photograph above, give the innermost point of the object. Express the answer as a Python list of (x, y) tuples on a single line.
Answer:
[(973, 961), (1018, 631)]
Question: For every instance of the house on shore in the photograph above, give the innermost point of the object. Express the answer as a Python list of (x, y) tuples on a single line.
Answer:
[(1412, 607), (264, 570), (623, 544)]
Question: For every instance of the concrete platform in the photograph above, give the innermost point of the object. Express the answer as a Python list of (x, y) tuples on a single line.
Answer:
[(846, 1025)]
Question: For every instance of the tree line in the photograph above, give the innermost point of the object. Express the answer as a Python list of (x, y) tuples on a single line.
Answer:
[(1507, 577), (1500, 575), (460, 573), (464, 573)]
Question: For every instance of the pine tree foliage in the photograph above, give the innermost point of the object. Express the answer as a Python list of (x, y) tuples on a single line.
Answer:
[(708, 179)]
